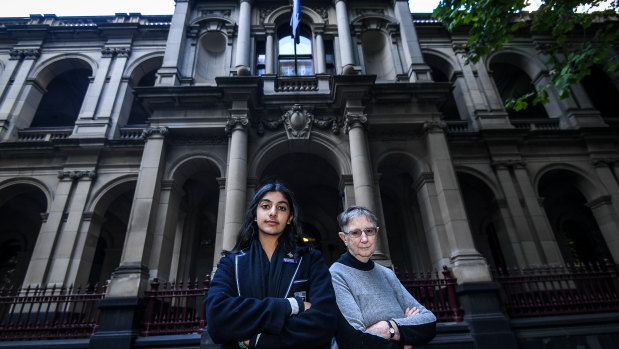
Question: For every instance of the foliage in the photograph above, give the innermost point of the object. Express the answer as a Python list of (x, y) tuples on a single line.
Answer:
[(578, 38)]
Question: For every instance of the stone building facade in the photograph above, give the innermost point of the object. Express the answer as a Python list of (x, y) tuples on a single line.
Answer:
[(130, 144)]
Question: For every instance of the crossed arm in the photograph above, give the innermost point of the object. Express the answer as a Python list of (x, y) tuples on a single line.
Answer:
[(268, 322), (417, 327)]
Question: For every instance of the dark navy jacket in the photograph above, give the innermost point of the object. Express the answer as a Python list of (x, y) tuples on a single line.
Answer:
[(236, 311)]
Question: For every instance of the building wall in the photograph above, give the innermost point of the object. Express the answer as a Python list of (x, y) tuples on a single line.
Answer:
[(182, 117)]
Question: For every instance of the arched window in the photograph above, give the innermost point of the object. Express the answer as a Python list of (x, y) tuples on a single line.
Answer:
[(294, 59), (62, 102)]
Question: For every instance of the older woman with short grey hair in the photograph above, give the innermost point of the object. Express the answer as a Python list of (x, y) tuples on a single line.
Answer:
[(376, 310)]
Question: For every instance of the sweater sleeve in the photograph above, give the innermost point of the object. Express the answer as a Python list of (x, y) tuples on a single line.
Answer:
[(316, 326), (414, 330), (231, 318)]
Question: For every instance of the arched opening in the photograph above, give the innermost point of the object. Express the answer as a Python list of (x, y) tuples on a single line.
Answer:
[(403, 220), (294, 59), (61, 103), (21, 207), (573, 223), (198, 228), (513, 82), (315, 185), (485, 222), (377, 55), (106, 235), (144, 76), (602, 92), (441, 73)]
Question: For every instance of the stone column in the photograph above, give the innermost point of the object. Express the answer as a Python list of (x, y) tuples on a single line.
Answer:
[(236, 178), (66, 260), (11, 66), (604, 170), (320, 61), (418, 70), (94, 92), (243, 38), (467, 263), (15, 96), (434, 228), (123, 307), (362, 171), (130, 279), (165, 229), (607, 219), (46, 240), (88, 239), (169, 74), (110, 96), (537, 216), (345, 40), (269, 54), (219, 236), (529, 246)]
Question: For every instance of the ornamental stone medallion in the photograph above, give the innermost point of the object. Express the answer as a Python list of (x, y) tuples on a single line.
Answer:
[(297, 122)]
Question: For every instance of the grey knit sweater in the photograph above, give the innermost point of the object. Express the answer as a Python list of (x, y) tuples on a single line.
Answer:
[(367, 293)]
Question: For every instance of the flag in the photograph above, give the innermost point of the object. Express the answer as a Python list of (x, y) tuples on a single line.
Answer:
[(295, 19)]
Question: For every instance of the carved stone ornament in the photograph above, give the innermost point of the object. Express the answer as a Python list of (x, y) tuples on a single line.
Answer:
[(355, 119), (298, 122), (236, 120), (77, 174), (152, 131)]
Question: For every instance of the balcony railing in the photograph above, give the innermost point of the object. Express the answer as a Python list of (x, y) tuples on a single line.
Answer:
[(559, 290), (175, 308), (433, 292), (44, 134), (49, 312)]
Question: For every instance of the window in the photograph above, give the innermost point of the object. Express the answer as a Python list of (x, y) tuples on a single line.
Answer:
[(260, 58), (294, 59)]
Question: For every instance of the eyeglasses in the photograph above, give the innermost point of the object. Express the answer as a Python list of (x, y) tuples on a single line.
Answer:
[(355, 234)]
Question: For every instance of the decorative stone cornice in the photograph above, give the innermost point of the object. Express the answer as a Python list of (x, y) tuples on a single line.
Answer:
[(506, 164), (236, 120), (603, 162), (109, 52), (16, 54), (77, 174), (434, 126), (216, 12), (423, 179), (161, 131), (460, 48), (354, 119), (601, 201)]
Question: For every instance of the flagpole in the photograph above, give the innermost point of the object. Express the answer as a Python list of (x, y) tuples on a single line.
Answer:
[(296, 68)]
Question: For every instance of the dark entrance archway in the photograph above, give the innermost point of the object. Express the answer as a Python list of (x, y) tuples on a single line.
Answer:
[(315, 185)]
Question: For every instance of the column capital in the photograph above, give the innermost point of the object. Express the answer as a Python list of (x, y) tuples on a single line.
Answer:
[(16, 54), (30, 53), (77, 174), (602, 162), (601, 201), (423, 179), (269, 28), (236, 120), (434, 126), (506, 164), (354, 119), (160, 132)]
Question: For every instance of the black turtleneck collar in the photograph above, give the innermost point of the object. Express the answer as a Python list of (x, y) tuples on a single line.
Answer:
[(349, 260)]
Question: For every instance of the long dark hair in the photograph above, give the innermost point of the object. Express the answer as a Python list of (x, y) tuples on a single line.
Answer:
[(292, 236)]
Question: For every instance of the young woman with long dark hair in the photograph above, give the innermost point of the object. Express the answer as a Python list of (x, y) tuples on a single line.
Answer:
[(270, 290)]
